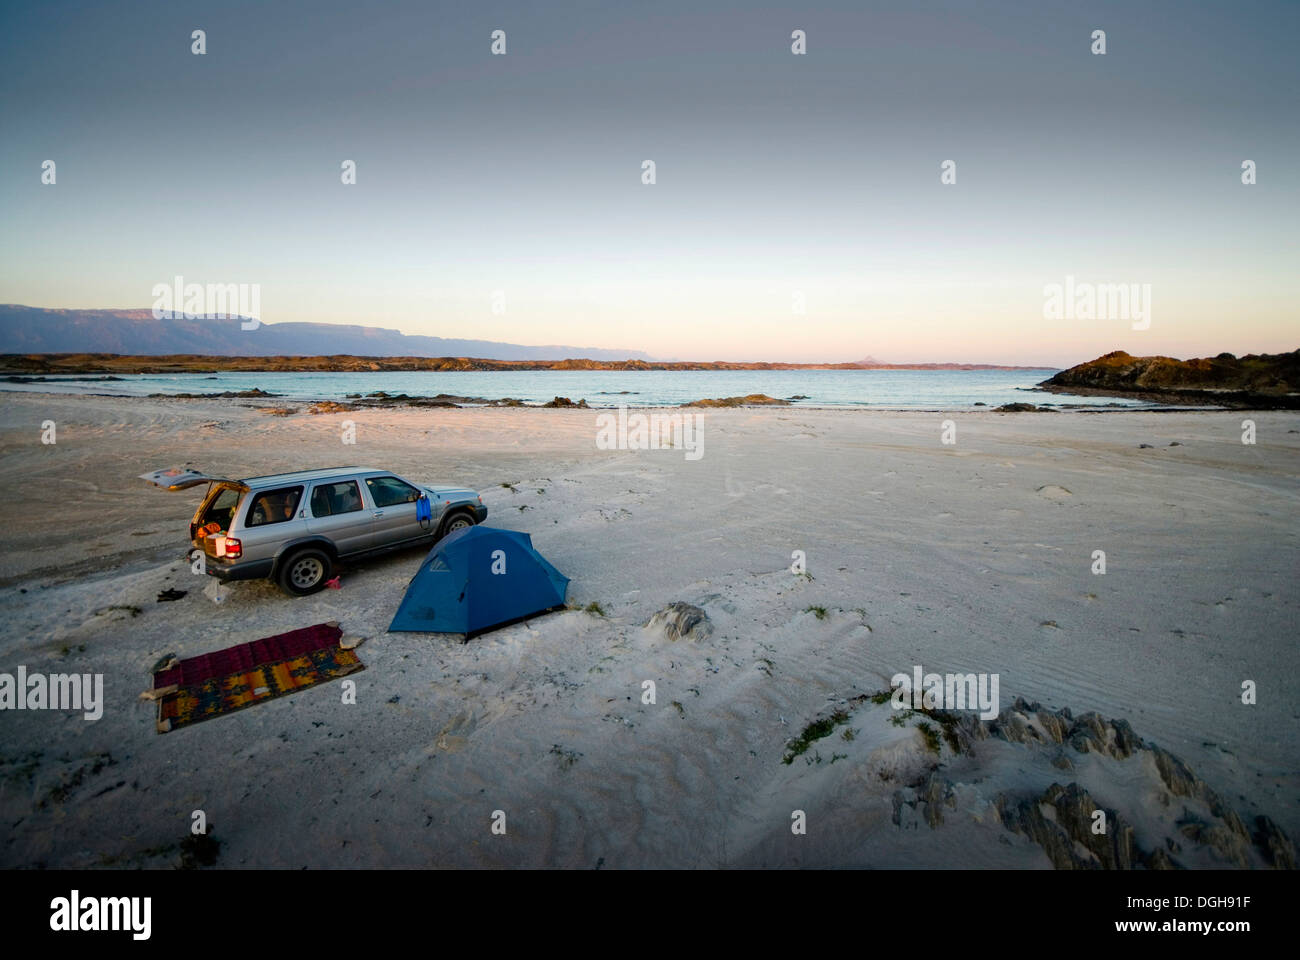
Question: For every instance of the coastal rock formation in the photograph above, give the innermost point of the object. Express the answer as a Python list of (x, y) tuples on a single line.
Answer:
[(1070, 827), (1088, 791), (1268, 381), (753, 400), (1278, 846), (224, 395), (1225, 833), (329, 406), (382, 399), (565, 402), (929, 800)]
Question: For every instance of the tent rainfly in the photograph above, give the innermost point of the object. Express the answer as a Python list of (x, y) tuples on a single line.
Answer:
[(476, 579)]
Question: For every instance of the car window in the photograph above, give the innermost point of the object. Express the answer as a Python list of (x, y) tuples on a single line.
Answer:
[(327, 499), (273, 506), (389, 491)]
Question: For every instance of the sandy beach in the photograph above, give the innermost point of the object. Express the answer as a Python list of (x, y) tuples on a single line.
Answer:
[(975, 556)]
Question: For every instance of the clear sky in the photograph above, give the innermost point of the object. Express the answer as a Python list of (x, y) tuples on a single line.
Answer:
[(776, 173)]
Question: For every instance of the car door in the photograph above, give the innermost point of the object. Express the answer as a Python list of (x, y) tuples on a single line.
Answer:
[(335, 509), (394, 510)]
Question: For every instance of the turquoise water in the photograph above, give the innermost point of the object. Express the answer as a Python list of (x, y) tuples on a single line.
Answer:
[(883, 389)]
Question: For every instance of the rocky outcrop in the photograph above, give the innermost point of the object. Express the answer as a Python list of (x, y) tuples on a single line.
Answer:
[(1070, 827), (753, 400), (224, 395), (1275, 843), (934, 793), (1268, 381), (1226, 834), (329, 406), (1063, 819), (382, 399)]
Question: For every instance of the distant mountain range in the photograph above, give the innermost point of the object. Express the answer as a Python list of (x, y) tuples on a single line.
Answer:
[(138, 341), (136, 332)]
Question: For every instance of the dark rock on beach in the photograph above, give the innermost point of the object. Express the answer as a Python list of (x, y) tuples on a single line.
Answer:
[(753, 400), (1063, 818), (381, 398), (224, 395), (13, 379), (1070, 827)]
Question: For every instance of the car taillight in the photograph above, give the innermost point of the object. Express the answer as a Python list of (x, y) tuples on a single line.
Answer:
[(234, 548)]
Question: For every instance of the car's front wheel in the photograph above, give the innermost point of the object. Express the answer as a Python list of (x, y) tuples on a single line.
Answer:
[(457, 521), (304, 572)]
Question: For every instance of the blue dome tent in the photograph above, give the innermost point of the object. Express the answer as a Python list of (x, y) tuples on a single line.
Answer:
[(476, 579)]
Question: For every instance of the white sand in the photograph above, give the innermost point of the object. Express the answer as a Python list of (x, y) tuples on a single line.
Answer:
[(965, 558)]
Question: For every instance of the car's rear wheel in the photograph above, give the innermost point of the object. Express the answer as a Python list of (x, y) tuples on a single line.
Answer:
[(305, 571), (457, 521)]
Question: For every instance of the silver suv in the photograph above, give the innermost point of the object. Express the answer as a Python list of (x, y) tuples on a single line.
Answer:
[(294, 527)]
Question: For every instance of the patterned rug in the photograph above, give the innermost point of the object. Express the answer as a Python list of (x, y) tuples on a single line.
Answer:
[(213, 684)]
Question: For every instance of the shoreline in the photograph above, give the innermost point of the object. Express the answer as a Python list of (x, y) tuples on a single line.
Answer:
[(1225, 399), (501, 403)]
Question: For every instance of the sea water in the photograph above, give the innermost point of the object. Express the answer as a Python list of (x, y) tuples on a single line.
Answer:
[(866, 389)]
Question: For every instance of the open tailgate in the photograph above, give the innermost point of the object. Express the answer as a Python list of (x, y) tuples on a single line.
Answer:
[(182, 478)]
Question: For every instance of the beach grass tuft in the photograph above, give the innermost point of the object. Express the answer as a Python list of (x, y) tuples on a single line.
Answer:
[(815, 731)]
